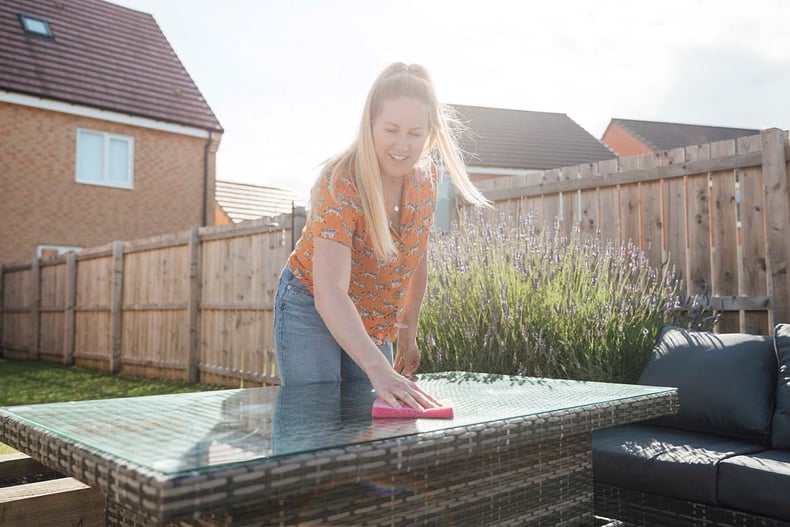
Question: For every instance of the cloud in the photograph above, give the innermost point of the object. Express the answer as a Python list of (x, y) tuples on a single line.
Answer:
[(727, 87)]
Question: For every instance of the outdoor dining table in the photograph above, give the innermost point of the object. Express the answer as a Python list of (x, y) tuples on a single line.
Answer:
[(517, 452)]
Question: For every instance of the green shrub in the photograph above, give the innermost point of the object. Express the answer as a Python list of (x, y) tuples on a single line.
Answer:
[(506, 297)]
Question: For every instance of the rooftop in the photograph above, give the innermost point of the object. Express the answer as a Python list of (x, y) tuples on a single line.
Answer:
[(99, 55), (243, 201), (664, 136), (523, 139)]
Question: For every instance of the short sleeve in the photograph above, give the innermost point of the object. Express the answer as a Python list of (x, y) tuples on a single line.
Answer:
[(336, 211)]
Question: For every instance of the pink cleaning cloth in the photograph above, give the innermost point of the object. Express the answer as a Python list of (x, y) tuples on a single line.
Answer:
[(383, 409)]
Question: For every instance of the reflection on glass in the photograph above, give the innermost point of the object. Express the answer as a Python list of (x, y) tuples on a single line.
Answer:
[(183, 432), (306, 415)]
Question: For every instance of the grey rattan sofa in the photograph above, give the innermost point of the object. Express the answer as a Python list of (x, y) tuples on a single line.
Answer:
[(724, 460)]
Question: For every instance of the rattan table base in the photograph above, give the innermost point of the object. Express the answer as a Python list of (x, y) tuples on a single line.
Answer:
[(543, 484)]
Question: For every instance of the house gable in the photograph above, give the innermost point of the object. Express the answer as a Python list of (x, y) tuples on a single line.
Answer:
[(106, 137), (100, 55)]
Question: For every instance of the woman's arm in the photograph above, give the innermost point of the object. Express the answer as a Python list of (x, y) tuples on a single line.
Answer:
[(331, 276), (408, 359)]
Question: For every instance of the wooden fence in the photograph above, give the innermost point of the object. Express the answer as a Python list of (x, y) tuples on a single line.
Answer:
[(198, 305), (195, 305), (717, 212)]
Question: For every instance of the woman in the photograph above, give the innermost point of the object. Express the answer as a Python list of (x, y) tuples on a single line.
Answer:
[(355, 281)]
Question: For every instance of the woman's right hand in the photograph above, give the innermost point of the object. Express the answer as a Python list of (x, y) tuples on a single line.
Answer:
[(397, 390)]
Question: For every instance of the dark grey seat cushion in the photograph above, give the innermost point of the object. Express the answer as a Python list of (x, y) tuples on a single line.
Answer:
[(757, 483), (664, 461), (726, 382), (780, 428)]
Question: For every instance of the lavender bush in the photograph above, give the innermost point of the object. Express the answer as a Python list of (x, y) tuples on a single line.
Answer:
[(507, 297)]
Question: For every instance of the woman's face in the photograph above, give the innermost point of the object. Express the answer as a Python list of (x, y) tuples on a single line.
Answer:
[(400, 133)]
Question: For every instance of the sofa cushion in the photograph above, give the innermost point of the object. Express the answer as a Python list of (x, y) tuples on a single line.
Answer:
[(780, 427), (664, 461), (726, 382), (757, 483)]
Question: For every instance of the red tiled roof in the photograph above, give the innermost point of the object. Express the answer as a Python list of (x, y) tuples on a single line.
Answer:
[(103, 56)]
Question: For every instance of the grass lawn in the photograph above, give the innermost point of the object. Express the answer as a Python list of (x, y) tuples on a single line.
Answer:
[(23, 382)]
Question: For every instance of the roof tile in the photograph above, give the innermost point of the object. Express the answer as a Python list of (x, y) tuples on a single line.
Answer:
[(522, 139), (242, 201), (102, 55), (665, 136)]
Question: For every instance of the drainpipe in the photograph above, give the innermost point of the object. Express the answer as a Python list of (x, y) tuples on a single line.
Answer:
[(205, 178)]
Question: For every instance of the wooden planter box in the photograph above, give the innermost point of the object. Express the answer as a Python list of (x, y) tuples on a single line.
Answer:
[(53, 502)]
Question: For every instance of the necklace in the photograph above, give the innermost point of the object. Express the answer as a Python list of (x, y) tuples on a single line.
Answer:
[(399, 194)]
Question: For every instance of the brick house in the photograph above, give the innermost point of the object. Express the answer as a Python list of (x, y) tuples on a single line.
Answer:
[(103, 134), (629, 137)]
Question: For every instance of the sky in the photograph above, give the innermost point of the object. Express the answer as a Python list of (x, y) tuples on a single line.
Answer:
[(287, 79)]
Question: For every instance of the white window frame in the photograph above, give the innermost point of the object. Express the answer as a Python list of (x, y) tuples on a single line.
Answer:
[(105, 180), (62, 249)]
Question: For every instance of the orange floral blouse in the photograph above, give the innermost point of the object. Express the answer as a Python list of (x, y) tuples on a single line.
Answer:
[(377, 287)]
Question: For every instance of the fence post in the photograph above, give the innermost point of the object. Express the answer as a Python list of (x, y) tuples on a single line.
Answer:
[(2, 298), (193, 307), (70, 311), (116, 307), (298, 219), (777, 216), (35, 309)]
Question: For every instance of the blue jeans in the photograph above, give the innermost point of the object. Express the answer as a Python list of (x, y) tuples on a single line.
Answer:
[(305, 349)]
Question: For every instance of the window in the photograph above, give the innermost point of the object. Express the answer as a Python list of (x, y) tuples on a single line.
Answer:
[(48, 251), (105, 159), (35, 27)]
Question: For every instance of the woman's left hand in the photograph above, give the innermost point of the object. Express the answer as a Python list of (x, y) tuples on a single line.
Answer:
[(407, 358)]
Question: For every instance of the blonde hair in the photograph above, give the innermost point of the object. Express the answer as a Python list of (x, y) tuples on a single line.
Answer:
[(360, 163)]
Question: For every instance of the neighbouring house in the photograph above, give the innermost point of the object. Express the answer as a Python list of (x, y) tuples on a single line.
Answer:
[(629, 137), (502, 142), (237, 202), (105, 136)]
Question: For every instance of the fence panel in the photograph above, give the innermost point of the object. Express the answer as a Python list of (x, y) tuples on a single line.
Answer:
[(92, 311), (719, 214), (725, 252), (239, 284), (753, 276), (777, 227), (609, 198), (155, 330), (53, 302), (651, 216), (674, 214), (630, 207), (182, 305), (699, 249), (17, 324)]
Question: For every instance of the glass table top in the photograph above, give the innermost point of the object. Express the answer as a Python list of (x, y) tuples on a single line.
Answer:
[(184, 432)]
